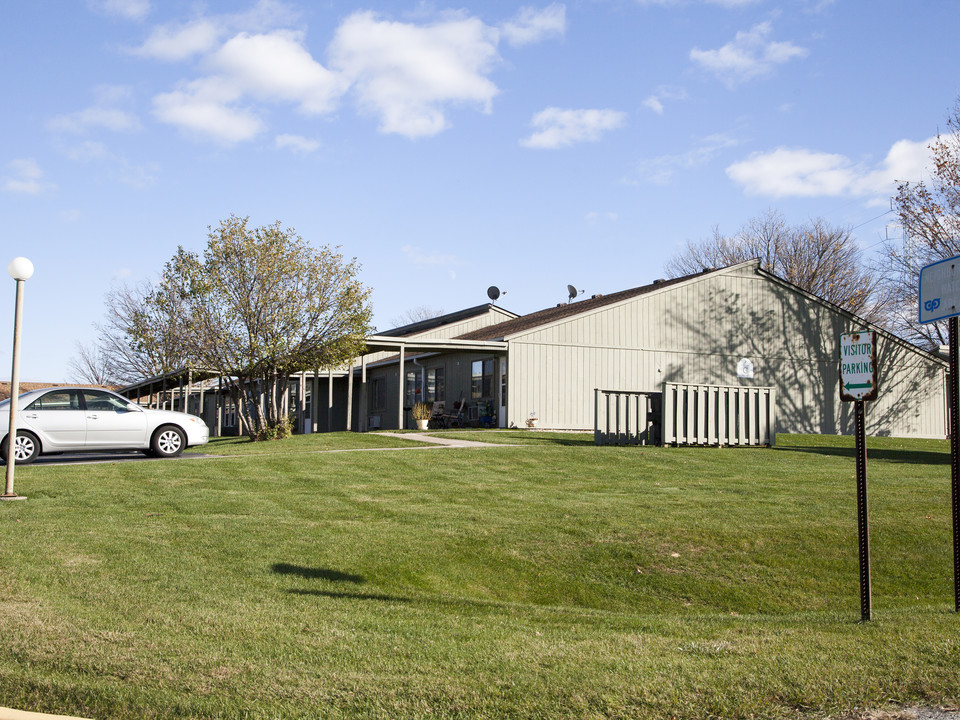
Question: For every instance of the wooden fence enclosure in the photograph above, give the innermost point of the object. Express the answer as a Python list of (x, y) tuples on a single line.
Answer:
[(686, 415)]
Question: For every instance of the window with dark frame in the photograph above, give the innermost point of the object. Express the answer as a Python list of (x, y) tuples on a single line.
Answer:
[(436, 390), (413, 388), (481, 379)]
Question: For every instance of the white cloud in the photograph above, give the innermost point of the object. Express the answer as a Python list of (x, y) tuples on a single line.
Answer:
[(531, 25), (206, 107), (653, 102), (127, 9), (296, 143), (787, 172), (135, 176), (800, 172), (273, 67), (276, 66), (664, 92), (179, 42), (90, 118), (26, 177), (559, 128), (408, 74), (103, 115), (749, 55), (87, 151), (660, 170), (175, 42)]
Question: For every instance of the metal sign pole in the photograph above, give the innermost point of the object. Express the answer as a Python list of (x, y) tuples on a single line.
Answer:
[(863, 526), (940, 300), (955, 455)]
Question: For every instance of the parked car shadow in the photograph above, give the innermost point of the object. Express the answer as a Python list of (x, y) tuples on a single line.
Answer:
[(90, 458)]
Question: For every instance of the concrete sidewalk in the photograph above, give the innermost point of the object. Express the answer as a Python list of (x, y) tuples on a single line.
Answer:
[(9, 714), (444, 441)]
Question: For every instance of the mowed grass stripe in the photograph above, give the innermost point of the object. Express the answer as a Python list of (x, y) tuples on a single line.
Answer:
[(551, 580)]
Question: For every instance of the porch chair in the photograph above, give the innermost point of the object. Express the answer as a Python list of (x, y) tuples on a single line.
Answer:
[(459, 414), (437, 420)]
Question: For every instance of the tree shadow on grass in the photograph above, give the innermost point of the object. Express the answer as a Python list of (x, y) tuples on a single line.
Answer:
[(352, 595), (310, 573), (914, 457), (336, 576)]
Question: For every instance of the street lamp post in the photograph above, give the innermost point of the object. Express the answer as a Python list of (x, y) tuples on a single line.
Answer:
[(20, 270)]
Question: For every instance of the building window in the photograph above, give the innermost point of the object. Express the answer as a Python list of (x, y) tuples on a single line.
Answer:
[(293, 396), (378, 395), (229, 414), (436, 385), (481, 379), (413, 390)]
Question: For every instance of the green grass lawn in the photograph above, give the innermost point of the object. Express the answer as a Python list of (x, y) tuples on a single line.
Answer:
[(553, 579), (301, 444)]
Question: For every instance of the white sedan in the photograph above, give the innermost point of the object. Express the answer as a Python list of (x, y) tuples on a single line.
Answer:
[(77, 419)]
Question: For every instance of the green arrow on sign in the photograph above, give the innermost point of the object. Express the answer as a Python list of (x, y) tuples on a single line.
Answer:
[(852, 386)]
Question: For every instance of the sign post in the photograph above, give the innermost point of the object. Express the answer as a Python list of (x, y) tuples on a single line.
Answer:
[(939, 300), (858, 383)]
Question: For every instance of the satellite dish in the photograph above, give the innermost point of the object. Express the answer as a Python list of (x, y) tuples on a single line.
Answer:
[(573, 292), (493, 292)]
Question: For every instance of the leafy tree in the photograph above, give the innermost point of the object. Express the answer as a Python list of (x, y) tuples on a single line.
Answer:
[(929, 215), (259, 305), (822, 259)]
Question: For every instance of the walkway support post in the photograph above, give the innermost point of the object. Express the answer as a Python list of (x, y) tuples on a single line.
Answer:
[(401, 386)]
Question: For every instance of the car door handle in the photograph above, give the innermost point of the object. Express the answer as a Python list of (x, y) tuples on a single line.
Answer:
[(91, 417), (32, 416)]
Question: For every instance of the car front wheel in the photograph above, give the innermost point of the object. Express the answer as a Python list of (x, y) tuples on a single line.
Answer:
[(168, 441), (26, 448)]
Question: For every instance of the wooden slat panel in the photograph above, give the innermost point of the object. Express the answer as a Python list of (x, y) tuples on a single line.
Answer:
[(669, 414)]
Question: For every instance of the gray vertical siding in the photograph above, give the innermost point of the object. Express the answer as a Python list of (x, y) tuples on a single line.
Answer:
[(696, 332)]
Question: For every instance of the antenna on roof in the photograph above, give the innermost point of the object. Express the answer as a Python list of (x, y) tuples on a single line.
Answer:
[(493, 292), (573, 292)]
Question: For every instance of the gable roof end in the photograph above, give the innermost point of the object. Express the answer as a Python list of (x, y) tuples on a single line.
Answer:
[(567, 310)]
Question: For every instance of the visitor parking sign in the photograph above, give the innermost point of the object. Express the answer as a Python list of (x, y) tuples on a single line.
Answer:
[(858, 354)]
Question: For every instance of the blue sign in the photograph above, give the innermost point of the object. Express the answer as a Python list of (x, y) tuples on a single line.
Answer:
[(940, 290)]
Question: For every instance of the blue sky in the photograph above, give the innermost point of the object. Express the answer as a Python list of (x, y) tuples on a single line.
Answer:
[(448, 147)]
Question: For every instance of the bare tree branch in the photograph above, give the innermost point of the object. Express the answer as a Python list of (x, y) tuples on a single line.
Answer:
[(929, 215), (821, 259)]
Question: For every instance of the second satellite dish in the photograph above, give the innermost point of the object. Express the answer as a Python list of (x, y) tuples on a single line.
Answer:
[(493, 292)]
